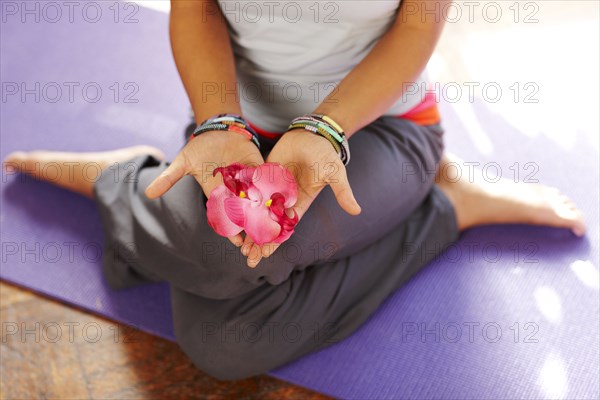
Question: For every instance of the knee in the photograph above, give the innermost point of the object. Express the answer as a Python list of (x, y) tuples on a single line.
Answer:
[(218, 350)]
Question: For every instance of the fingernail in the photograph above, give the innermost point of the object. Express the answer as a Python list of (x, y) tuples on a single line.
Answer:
[(254, 257), (265, 251), (149, 189), (245, 250)]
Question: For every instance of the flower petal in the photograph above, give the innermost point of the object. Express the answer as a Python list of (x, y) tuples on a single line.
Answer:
[(216, 215), (260, 226), (254, 194), (235, 209), (272, 178), (277, 204), (283, 236), (236, 177), (278, 213), (287, 227)]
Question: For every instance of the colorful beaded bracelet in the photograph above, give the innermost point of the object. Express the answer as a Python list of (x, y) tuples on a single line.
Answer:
[(319, 123), (321, 132), (330, 121), (344, 142), (230, 123), (325, 126)]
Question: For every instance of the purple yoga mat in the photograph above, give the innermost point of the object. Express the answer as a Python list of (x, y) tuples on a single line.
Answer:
[(508, 312)]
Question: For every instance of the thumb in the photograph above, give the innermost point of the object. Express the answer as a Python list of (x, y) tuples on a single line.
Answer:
[(165, 181), (343, 193)]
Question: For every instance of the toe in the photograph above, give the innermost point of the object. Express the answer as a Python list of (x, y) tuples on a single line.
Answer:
[(572, 218), (15, 156), (14, 161), (579, 228)]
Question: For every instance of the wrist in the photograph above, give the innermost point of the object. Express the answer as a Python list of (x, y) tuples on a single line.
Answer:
[(326, 127), (305, 140), (230, 123), (337, 114)]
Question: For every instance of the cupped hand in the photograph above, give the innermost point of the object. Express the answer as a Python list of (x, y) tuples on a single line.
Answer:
[(315, 164), (200, 157)]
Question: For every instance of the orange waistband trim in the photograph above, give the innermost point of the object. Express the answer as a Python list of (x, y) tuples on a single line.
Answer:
[(426, 116)]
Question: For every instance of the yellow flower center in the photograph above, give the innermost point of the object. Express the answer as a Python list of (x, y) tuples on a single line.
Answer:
[(268, 203), (242, 194)]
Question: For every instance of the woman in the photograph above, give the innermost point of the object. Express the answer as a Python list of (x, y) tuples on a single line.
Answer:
[(390, 210)]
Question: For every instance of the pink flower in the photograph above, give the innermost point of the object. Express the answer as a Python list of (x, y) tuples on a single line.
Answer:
[(255, 200)]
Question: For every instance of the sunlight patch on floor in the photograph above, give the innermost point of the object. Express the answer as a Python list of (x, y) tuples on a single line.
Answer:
[(548, 303), (587, 273), (552, 378)]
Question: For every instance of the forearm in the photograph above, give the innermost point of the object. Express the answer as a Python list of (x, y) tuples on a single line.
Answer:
[(379, 79), (204, 58)]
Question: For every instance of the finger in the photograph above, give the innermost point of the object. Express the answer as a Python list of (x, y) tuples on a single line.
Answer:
[(247, 245), (165, 181), (254, 256), (343, 193), (269, 248), (237, 240)]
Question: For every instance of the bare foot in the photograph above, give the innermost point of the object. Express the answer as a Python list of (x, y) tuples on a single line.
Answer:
[(73, 171), (479, 202)]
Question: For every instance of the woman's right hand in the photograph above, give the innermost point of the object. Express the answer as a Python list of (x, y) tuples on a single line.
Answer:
[(200, 157)]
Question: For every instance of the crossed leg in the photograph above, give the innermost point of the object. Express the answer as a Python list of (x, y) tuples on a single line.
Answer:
[(329, 277)]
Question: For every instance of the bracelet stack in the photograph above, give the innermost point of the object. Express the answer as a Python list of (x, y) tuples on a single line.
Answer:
[(325, 126), (228, 122)]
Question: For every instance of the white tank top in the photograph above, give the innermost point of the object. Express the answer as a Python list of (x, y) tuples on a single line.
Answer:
[(291, 54)]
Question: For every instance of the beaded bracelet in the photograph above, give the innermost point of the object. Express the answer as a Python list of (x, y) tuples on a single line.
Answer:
[(321, 132), (230, 123), (325, 126), (319, 123), (340, 131)]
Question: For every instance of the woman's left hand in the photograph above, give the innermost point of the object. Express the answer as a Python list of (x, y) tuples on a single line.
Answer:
[(314, 163)]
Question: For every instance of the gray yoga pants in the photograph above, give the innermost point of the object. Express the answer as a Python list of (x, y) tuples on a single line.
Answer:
[(317, 288)]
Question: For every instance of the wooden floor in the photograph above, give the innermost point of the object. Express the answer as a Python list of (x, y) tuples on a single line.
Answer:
[(75, 355)]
